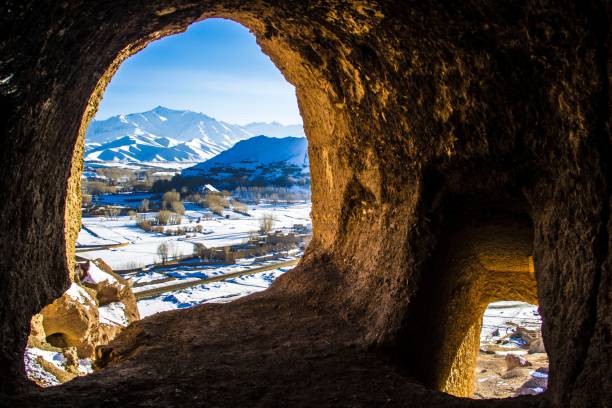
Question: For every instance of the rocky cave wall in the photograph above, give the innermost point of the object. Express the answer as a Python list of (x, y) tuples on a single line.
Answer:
[(421, 117), (483, 259)]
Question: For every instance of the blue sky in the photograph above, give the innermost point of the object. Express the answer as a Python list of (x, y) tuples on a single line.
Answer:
[(215, 67)]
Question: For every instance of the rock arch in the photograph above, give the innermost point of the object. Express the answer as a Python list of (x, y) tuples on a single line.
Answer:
[(484, 256), (407, 106)]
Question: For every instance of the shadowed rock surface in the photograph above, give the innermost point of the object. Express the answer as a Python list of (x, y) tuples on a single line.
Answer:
[(426, 123)]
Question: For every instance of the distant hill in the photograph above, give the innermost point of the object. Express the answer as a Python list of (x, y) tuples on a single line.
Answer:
[(168, 135), (260, 160)]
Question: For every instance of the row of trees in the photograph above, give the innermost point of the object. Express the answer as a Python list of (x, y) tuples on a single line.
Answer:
[(156, 223), (113, 179), (217, 202), (171, 200), (167, 250), (271, 193)]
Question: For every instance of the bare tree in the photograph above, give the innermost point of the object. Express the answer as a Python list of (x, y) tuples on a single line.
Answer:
[(266, 223), (112, 213), (178, 207), (174, 249), (170, 197), (144, 206), (240, 207), (162, 251), (86, 200), (163, 217)]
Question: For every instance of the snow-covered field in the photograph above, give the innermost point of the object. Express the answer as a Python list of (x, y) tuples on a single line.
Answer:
[(36, 372), (217, 292), (501, 318), (123, 245), (140, 247), (185, 272)]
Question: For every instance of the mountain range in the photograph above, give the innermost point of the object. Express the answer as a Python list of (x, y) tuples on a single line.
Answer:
[(259, 160), (168, 135)]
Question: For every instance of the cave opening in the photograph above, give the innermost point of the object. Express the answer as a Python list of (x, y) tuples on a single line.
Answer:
[(512, 360), (58, 340), (484, 254), (178, 207), (389, 91)]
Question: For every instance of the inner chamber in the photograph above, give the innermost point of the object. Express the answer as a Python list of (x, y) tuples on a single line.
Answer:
[(484, 255)]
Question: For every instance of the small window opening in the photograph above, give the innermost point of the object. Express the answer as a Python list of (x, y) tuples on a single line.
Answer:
[(512, 360)]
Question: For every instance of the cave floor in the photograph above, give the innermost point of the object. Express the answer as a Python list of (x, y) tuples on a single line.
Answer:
[(263, 350)]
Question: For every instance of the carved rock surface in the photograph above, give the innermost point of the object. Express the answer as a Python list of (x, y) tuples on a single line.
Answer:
[(73, 321), (427, 122), (91, 313)]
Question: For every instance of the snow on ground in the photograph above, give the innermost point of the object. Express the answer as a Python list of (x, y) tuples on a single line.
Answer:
[(217, 292), (187, 273), (96, 275), (79, 294), (140, 247), (503, 317), (86, 238), (114, 314), (145, 277), (139, 254), (35, 371), (236, 229), (54, 357), (85, 366)]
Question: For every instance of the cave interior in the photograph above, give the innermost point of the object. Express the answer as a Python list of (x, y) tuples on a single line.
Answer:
[(459, 154)]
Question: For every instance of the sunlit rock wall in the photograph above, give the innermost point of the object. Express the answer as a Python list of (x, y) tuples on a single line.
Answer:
[(417, 113)]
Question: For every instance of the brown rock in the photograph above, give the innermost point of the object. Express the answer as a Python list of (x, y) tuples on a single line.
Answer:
[(537, 346), (435, 129), (514, 372), (37, 330), (115, 289), (72, 360), (514, 361), (73, 321)]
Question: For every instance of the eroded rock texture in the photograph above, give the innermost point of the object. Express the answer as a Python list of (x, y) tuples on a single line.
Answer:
[(429, 125)]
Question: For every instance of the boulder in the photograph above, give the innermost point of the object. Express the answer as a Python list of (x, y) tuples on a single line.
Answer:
[(37, 331), (525, 334), (73, 321), (71, 364), (514, 361), (535, 385), (110, 288), (515, 372), (92, 312), (537, 346)]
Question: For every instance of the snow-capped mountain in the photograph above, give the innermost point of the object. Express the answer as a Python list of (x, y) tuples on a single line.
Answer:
[(149, 148), (170, 135), (176, 124), (258, 160)]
